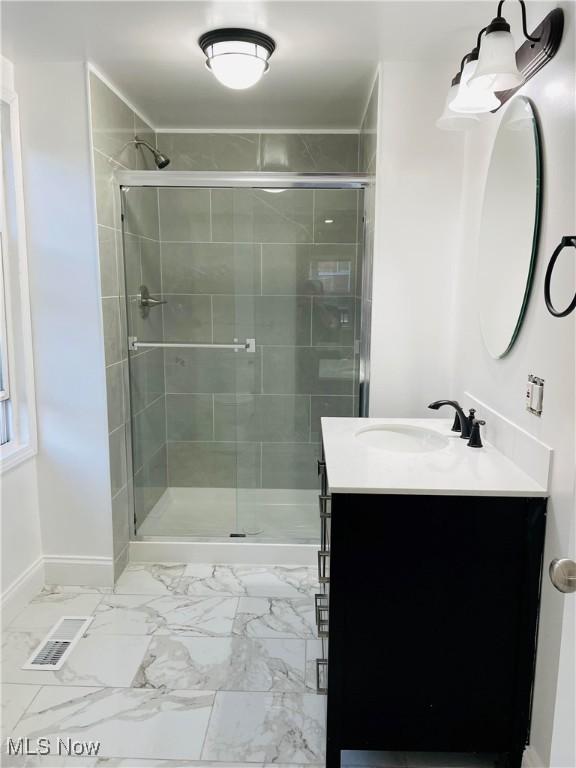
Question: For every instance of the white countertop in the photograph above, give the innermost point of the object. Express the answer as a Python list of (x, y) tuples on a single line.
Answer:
[(455, 470)]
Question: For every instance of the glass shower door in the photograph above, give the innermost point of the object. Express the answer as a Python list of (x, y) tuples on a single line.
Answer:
[(226, 431), (302, 310)]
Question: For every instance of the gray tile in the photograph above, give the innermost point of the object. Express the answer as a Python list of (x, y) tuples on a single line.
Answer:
[(150, 482), (219, 465), (112, 123), (146, 377), (107, 197), (185, 214), (211, 268), (368, 133), (308, 269), (141, 212), (268, 319), (309, 152), (333, 321), (120, 263), (111, 323), (272, 418), (149, 432), (289, 465), (150, 265), (189, 417), (149, 327), (107, 256), (258, 216), (335, 215), (212, 370), (210, 151), (326, 405), (308, 370), (132, 263), (144, 160), (115, 395), (117, 443), (120, 522), (188, 318), (121, 562)]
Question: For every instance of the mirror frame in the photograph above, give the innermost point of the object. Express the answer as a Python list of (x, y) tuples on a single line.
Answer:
[(537, 219)]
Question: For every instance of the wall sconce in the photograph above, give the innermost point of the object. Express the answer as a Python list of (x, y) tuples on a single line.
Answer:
[(492, 72)]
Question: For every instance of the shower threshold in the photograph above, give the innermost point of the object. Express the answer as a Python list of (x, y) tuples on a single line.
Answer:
[(230, 514)]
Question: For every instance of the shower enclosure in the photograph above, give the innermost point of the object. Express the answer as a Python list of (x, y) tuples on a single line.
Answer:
[(243, 302)]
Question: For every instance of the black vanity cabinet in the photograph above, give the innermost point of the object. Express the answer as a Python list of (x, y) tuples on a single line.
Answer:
[(430, 609)]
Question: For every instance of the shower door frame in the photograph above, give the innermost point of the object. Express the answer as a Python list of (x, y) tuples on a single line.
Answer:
[(259, 180)]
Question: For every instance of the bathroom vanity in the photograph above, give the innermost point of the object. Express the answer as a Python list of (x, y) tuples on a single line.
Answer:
[(430, 569)]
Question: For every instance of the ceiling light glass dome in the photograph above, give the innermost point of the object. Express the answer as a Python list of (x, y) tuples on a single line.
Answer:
[(237, 57)]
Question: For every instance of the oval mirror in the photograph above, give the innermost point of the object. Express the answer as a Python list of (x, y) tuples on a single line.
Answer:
[(509, 227)]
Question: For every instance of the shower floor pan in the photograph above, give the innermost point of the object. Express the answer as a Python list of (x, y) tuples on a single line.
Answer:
[(267, 515)]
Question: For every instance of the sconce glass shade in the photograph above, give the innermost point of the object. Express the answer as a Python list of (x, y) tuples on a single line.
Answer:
[(455, 121), (473, 100), (497, 69)]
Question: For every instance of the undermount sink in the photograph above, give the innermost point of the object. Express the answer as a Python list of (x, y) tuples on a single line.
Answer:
[(399, 438)]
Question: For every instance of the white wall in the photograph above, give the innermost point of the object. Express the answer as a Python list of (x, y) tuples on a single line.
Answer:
[(72, 465), (22, 569), (545, 346), (417, 200)]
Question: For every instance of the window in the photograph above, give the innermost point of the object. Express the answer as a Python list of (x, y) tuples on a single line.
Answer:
[(17, 409), (4, 377)]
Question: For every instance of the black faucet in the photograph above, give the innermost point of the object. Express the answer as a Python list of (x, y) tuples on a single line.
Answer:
[(462, 423), (475, 439)]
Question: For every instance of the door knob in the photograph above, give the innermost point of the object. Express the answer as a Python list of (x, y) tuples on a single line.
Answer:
[(563, 574)]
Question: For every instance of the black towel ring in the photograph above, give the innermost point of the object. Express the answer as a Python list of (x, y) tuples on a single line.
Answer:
[(568, 240)]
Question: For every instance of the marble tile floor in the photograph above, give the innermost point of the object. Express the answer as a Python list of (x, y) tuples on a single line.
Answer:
[(182, 665)]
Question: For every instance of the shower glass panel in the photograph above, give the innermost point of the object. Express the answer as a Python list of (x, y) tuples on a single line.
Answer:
[(266, 284)]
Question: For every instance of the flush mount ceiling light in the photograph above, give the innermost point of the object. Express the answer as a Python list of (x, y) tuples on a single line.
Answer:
[(237, 57), (493, 71)]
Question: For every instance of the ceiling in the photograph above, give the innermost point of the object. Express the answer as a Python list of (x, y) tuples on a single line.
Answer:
[(319, 77)]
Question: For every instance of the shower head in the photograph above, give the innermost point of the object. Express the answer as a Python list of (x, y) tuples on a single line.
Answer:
[(161, 160)]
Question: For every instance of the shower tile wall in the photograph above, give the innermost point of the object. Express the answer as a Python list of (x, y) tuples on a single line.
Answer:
[(113, 125), (278, 267)]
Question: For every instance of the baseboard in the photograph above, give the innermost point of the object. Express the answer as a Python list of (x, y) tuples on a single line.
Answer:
[(223, 553), (532, 759), (18, 594), (66, 570)]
